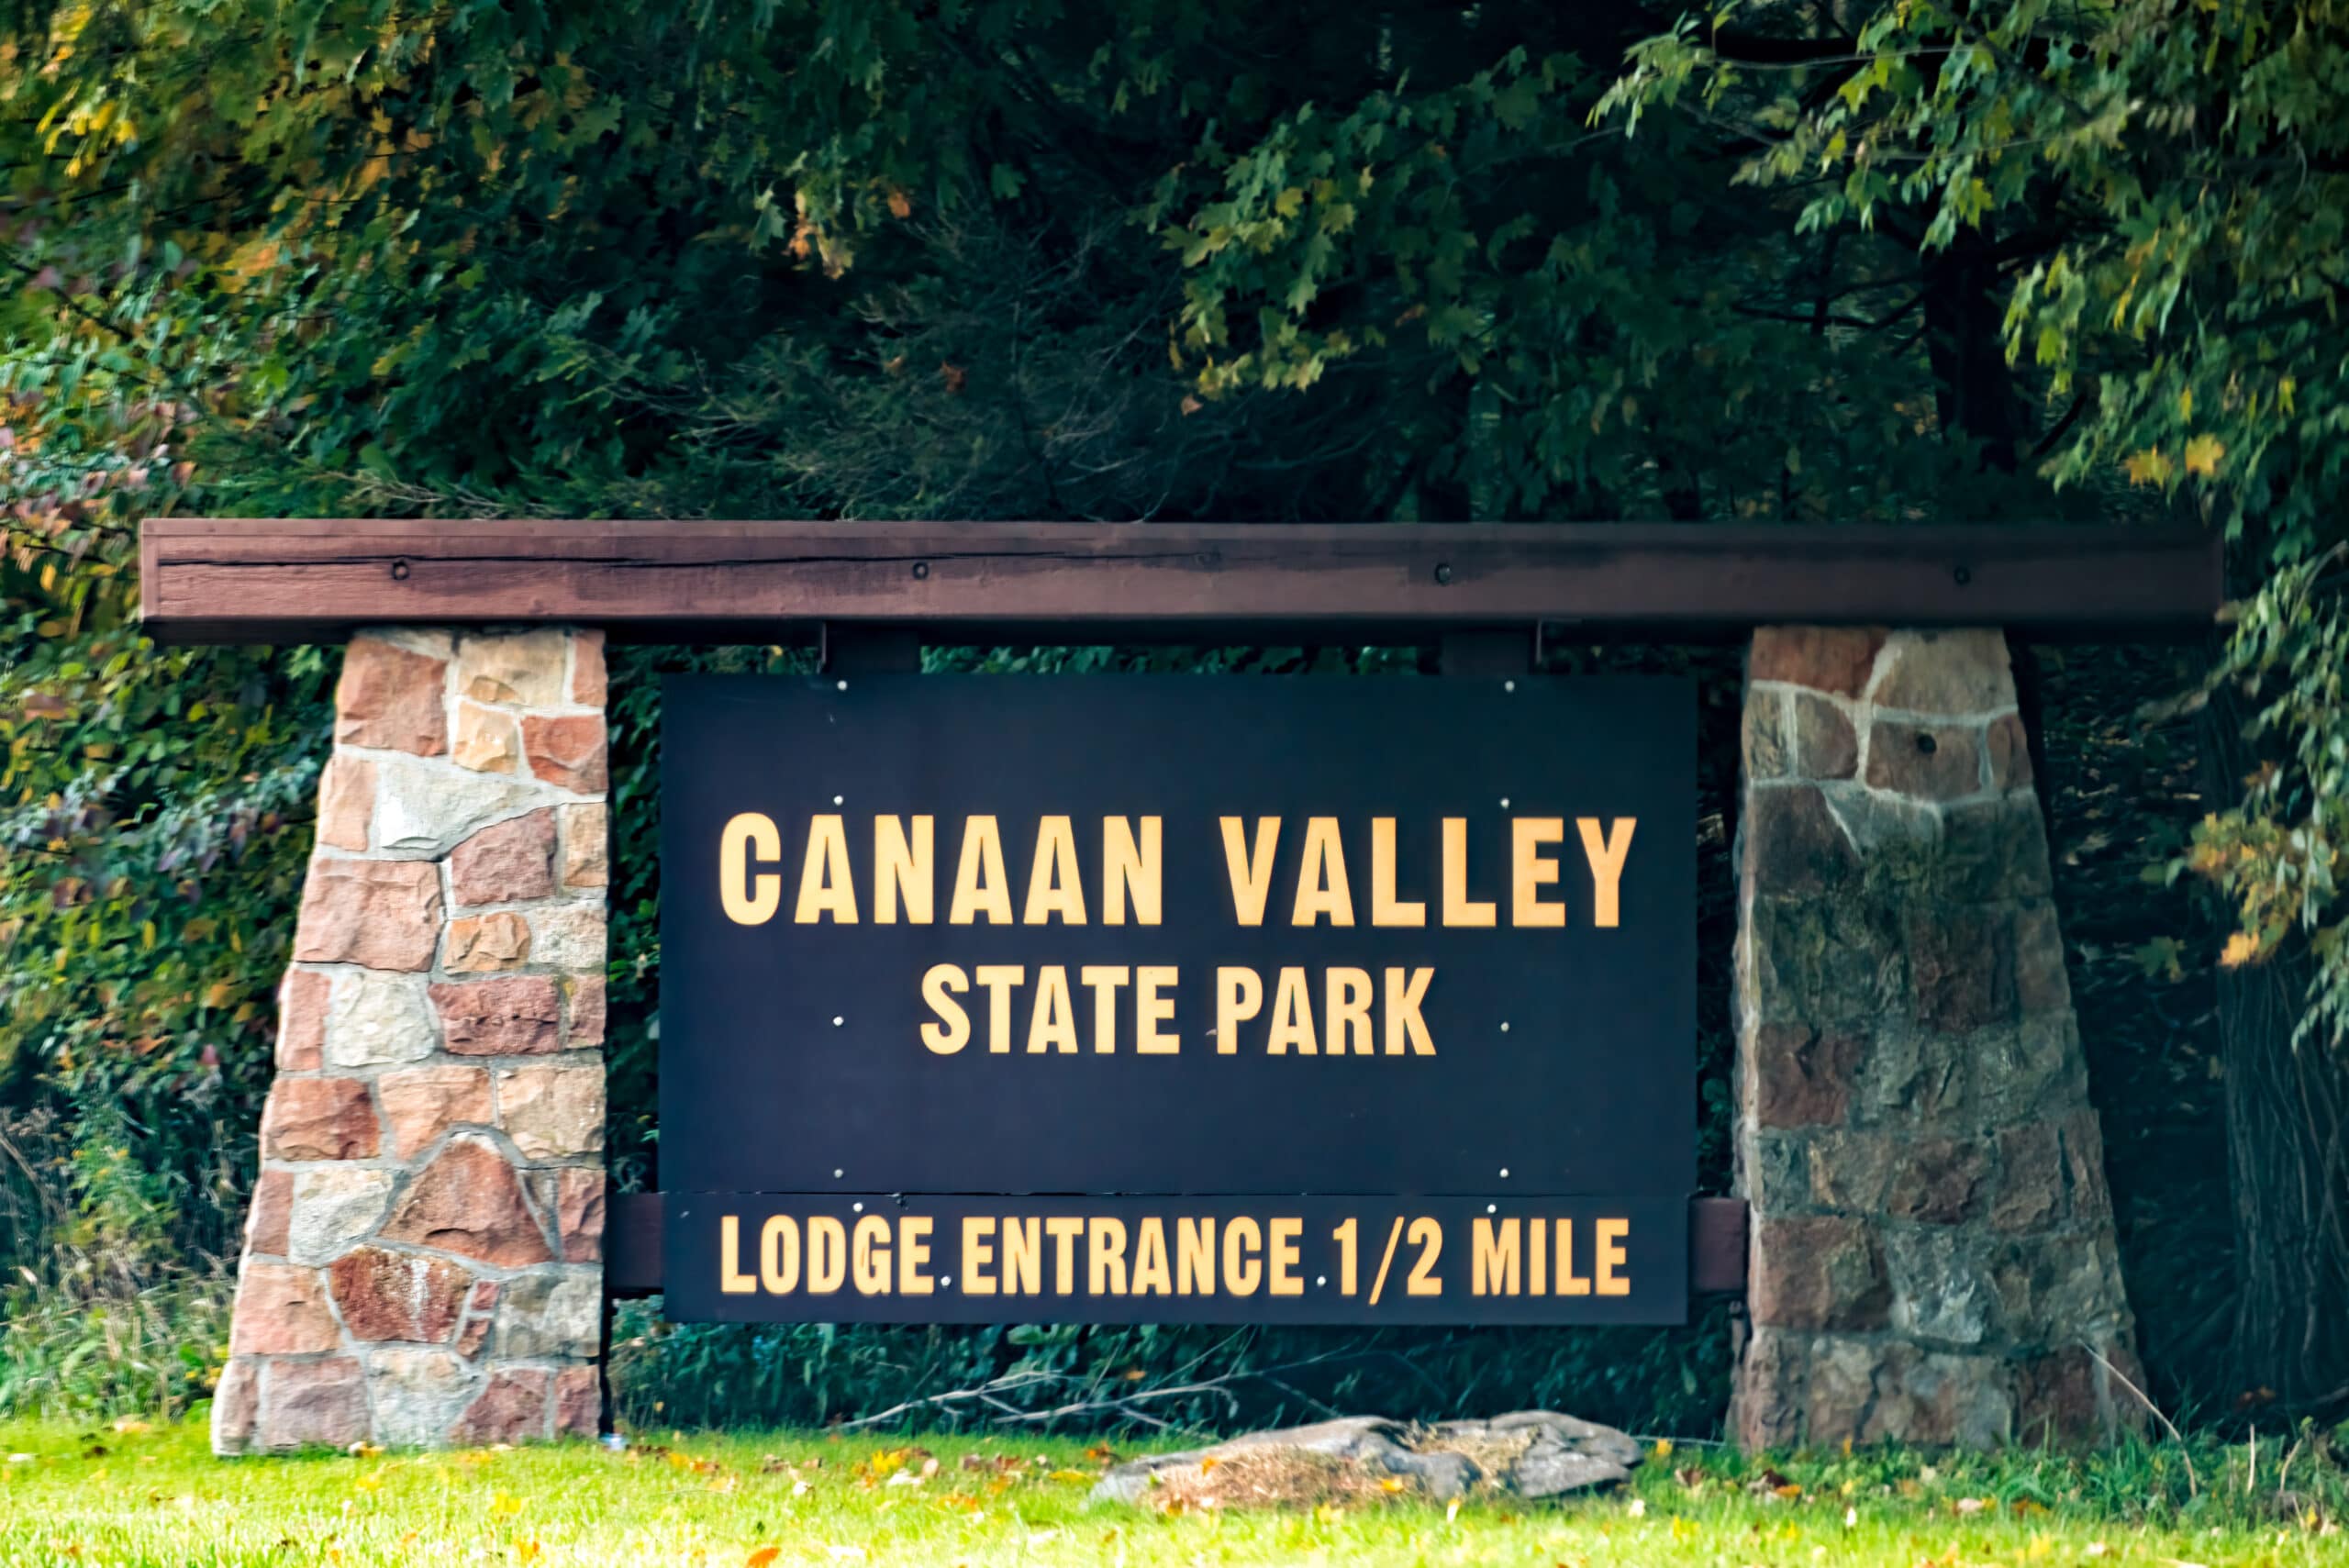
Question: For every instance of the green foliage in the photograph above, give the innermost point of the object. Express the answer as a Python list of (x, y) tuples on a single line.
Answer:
[(2169, 185)]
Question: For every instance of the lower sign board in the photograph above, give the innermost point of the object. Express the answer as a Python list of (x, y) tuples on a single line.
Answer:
[(1172, 971)]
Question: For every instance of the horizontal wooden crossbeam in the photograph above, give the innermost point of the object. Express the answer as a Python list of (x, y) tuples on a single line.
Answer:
[(213, 580), (632, 1245)]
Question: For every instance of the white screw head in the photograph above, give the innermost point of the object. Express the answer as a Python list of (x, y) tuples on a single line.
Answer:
[(1504, 803), (1320, 1279), (945, 1280), (843, 685), (1504, 1172), (836, 800), (838, 1173), (838, 1021), (1506, 685), (1504, 1025), (856, 1208), (1489, 1208)]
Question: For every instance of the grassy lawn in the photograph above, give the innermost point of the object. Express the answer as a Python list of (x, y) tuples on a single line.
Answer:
[(83, 1497)]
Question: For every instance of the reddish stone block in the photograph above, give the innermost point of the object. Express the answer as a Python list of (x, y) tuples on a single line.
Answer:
[(2041, 983), (567, 750), (390, 697), (234, 1404), (482, 942), (302, 1020), (1791, 844), (586, 1012), (320, 1119), (1824, 744), (1962, 672), (395, 1295), (1942, 1181), (1943, 762), (2009, 747), (587, 677), (381, 914), (511, 1016), (321, 1403), (347, 803), (578, 1402), (468, 1201), (422, 1103), (579, 1214), (511, 1409), (2083, 1140), (2030, 1178), (1818, 1272), (506, 863), (1824, 657), (1962, 966), (281, 1311), (479, 1315), (1799, 1077), (271, 1213)]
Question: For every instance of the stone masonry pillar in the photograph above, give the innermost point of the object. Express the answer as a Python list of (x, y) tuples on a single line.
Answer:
[(1932, 1252), (422, 1261)]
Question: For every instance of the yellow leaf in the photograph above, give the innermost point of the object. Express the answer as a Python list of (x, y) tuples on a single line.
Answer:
[(1078, 1477), (506, 1504), (2202, 455), (2241, 948), (527, 1551), (2149, 467), (1662, 1448), (2186, 404)]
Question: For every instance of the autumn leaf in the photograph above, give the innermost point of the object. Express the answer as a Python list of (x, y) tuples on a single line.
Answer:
[(761, 1557), (2202, 455), (2241, 948), (900, 204), (954, 375), (2150, 467)]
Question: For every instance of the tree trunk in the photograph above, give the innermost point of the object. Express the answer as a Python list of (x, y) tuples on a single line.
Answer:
[(2288, 1150)]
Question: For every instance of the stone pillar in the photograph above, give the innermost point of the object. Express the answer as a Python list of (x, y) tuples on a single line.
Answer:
[(422, 1261), (1932, 1251)]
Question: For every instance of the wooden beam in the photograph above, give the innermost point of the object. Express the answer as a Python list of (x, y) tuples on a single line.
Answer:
[(211, 580), (632, 1245)]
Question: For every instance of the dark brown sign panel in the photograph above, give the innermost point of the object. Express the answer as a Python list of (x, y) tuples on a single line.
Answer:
[(1413, 953)]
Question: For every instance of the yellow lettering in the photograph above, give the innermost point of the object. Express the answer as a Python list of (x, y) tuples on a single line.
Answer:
[(913, 1256), (1130, 871), (1151, 1010), (1023, 1254), (1104, 1256), (1531, 871), (1103, 980), (1292, 1017), (1606, 856), (1239, 996), (1052, 1025), (1321, 880), (748, 900), (1250, 870), (1606, 1256), (1569, 1283), (952, 1031), (980, 886), (1492, 1264), (779, 1255), (827, 1254), (1054, 888), (731, 1280), (1193, 1257), (997, 979), (870, 1269), (1459, 909), (1150, 1274), (1063, 1230), (903, 868), (1346, 997), (1282, 1253), (978, 1234), (1241, 1243), (825, 884), (1385, 909), (1406, 989)]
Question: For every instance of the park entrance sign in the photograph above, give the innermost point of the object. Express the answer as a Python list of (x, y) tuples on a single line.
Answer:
[(1160, 998), (1180, 999)]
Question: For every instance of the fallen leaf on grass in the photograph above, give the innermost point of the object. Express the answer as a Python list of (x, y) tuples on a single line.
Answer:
[(1076, 1477), (1971, 1505), (761, 1557)]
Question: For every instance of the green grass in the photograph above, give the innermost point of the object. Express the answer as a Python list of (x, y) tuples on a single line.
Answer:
[(101, 1496)]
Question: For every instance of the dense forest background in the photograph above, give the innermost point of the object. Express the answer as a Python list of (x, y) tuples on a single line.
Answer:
[(1164, 259)]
